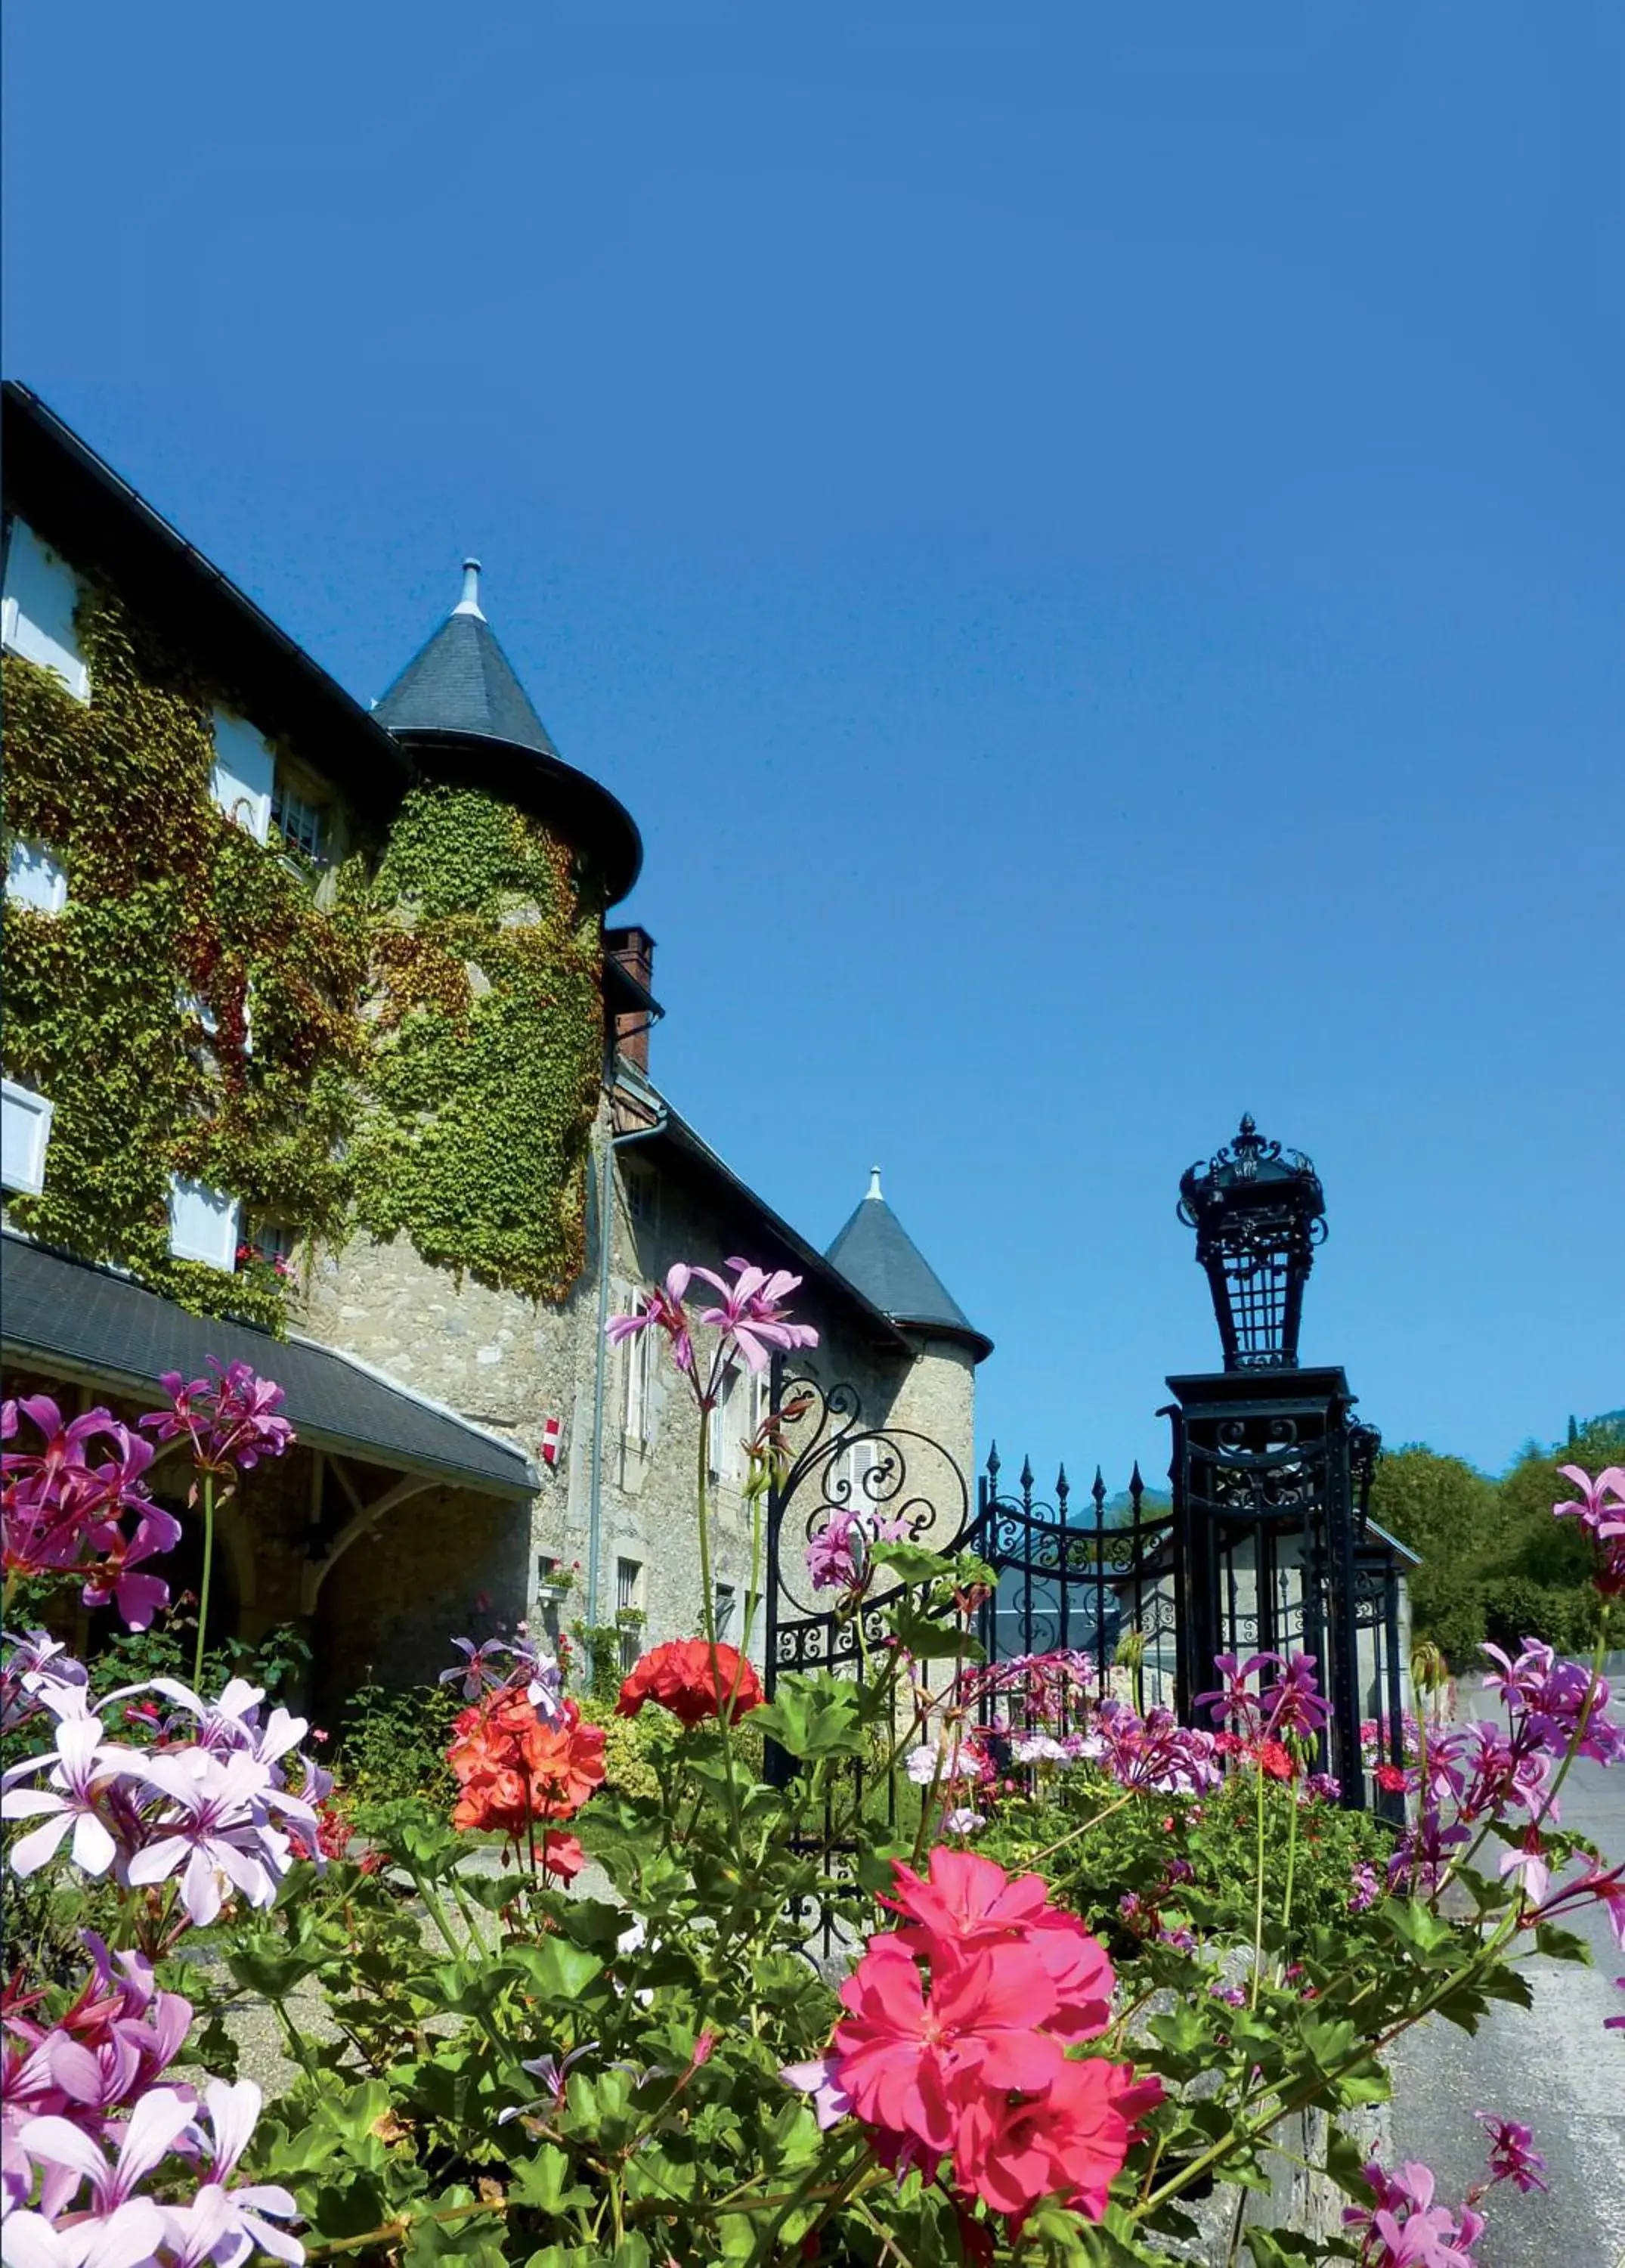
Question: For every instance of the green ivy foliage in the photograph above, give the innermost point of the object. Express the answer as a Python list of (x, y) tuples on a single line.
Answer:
[(167, 900), (425, 1049), (486, 1057)]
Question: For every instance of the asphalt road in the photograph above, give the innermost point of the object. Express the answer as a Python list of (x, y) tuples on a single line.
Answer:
[(1554, 2066)]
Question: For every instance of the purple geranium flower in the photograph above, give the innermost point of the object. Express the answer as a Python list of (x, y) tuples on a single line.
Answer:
[(751, 1314), (219, 1836), (661, 1309), (830, 2100), (223, 2223), (1513, 2155), (154, 2129), (82, 1764)]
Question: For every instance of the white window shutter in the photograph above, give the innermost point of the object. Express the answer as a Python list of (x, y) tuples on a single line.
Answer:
[(36, 617), (24, 1133), (203, 1224), (33, 878), (244, 772), (637, 1352)]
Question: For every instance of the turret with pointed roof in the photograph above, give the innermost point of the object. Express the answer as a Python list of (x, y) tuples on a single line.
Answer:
[(875, 1252), (459, 707)]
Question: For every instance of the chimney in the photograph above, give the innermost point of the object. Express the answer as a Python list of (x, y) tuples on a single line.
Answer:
[(632, 952)]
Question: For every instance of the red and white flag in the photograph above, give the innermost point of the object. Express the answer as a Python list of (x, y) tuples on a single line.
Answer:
[(550, 1441)]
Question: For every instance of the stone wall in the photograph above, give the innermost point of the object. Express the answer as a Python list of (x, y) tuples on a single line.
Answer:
[(509, 1363)]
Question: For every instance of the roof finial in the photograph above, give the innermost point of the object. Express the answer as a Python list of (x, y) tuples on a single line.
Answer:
[(469, 603), (873, 1189)]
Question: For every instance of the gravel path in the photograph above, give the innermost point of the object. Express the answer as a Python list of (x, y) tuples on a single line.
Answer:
[(1554, 2066)]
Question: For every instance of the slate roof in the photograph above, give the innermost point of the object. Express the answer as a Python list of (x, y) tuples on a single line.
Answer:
[(462, 682), (460, 711), (89, 513), (61, 1310), (875, 1252)]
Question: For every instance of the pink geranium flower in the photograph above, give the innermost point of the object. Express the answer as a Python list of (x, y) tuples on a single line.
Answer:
[(967, 1904), (900, 2053), (218, 1836), (154, 2128), (661, 1309), (752, 1312)]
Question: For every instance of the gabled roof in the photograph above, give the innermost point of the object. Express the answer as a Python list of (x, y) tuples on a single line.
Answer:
[(61, 1311), (460, 709), (875, 1252), (81, 507), (462, 682), (772, 1242)]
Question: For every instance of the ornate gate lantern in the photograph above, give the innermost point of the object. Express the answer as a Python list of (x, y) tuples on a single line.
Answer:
[(1259, 1212), (1271, 1468)]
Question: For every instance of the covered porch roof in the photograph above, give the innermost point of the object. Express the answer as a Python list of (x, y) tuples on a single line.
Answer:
[(88, 1323)]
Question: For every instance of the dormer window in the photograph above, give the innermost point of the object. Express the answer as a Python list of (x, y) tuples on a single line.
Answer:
[(36, 613)]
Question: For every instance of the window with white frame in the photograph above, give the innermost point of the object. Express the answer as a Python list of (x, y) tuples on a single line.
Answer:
[(40, 592), (854, 1475), (203, 1224), (637, 1353), (33, 878), (302, 826), (245, 770), (629, 1611), (25, 1136), (726, 1600)]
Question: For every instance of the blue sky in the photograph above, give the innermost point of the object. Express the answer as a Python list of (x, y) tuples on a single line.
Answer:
[(1092, 542)]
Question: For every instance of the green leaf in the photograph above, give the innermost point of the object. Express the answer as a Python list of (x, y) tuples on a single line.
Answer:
[(1419, 1928), (1561, 1944), (273, 1974), (555, 1969), (1327, 2043), (911, 1562), (544, 2181), (814, 1717), (933, 1636)]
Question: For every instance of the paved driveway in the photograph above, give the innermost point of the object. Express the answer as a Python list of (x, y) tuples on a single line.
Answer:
[(1554, 2066)]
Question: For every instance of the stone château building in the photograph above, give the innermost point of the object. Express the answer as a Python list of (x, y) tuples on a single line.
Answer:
[(322, 1051)]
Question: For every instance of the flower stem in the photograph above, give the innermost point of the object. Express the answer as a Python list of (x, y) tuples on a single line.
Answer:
[(1291, 1858), (209, 1566), (1258, 1902), (707, 1608)]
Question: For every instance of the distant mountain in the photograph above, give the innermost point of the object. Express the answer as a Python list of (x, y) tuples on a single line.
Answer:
[(1612, 1421)]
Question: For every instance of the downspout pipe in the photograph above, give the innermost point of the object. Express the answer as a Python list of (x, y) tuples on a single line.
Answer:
[(600, 1360)]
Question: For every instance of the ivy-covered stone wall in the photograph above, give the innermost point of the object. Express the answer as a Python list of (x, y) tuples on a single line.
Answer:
[(487, 1046), (418, 1054), (170, 907)]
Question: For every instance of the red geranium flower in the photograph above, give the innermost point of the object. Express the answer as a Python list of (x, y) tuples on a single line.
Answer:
[(1391, 1778), (515, 1771), (900, 2054), (679, 1675), (561, 1855), (1275, 1759), (1073, 2138), (969, 1903)]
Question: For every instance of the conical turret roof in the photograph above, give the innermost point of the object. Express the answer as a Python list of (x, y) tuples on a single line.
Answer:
[(460, 681), (875, 1252), (460, 707)]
